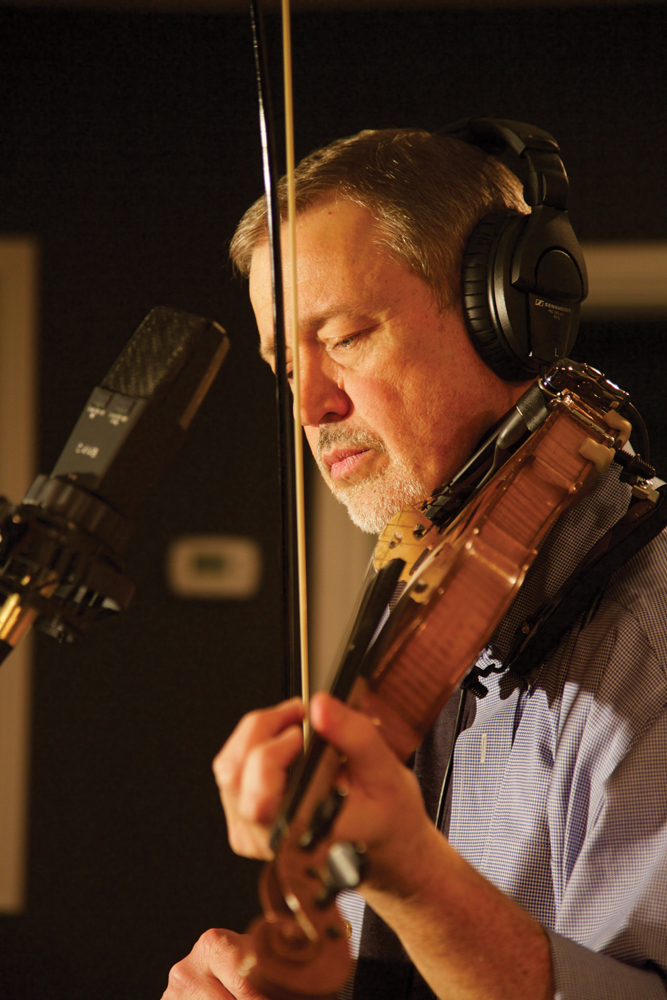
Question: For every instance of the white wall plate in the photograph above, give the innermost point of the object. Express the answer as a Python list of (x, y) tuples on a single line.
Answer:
[(214, 567)]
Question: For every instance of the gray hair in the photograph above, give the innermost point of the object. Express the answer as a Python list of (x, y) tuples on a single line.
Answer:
[(426, 192)]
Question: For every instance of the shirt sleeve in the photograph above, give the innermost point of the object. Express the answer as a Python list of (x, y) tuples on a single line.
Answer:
[(582, 974)]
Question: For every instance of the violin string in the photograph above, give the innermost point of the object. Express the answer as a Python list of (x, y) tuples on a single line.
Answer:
[(296, 379)]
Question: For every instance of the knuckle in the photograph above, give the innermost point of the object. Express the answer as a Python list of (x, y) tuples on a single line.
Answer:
[(212, 940), (246, 735), (180, 979), (237, 841), (251, 722)]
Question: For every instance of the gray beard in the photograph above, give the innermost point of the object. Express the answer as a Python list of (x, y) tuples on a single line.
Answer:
[(373, 501)]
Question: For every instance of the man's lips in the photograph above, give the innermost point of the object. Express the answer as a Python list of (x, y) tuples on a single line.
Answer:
[(344, 461)]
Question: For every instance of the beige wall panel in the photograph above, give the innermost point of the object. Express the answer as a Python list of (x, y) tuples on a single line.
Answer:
[(18, 320)]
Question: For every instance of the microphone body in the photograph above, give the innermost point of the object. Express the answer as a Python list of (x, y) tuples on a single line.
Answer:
[(59, 548)]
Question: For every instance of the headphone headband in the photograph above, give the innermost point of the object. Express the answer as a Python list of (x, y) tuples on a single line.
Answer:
[(547, 181)]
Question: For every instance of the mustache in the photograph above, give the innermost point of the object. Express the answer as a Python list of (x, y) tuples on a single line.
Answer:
[(342, 437)]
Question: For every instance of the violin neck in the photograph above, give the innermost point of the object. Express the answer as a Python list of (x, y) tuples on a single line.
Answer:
[(374, 602)]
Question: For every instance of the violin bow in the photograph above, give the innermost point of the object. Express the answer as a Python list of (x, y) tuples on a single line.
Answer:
[(288, 400)]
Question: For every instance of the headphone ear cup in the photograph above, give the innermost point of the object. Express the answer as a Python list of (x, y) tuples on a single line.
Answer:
[(478, 278)]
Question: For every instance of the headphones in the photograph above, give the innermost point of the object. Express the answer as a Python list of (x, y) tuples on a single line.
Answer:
[(523, 275)]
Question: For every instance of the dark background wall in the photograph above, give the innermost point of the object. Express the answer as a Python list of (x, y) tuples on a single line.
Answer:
[(129, 148)]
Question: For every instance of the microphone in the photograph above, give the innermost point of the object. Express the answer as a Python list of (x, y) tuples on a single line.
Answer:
[(59, 548)]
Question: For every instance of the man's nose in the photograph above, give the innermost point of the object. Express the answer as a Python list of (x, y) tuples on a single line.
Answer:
[(323, 399)]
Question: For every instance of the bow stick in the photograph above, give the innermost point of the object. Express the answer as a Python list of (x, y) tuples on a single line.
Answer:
[(290, 440)]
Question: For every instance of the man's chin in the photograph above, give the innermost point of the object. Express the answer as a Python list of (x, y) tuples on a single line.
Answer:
[(372, 504)]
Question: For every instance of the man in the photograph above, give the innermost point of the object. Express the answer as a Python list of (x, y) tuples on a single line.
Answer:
[(552, 881)]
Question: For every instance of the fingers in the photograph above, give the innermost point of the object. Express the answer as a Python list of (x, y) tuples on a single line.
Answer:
[(253, 729), (371, 766), (265, 776), (354, 734), (251, 772), (211, 970)]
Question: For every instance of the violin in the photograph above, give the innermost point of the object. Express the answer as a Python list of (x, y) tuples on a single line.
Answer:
[(457, 576)]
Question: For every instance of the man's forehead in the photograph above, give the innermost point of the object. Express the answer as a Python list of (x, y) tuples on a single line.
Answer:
[(330, 236), (330, 224)]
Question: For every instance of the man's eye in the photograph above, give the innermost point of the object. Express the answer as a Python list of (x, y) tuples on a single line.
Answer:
[(346, 341)]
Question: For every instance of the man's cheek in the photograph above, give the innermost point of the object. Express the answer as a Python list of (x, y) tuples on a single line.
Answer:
[(312, 436)]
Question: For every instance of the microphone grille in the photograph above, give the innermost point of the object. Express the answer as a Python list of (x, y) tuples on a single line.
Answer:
[(155, 354)]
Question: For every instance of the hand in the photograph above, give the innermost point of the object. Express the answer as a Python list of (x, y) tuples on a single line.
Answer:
[(384, 808), (432, 898), (211, 970), (251, 772)]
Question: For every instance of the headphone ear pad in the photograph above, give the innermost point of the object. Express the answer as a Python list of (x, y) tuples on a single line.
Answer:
[(478, 276)]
